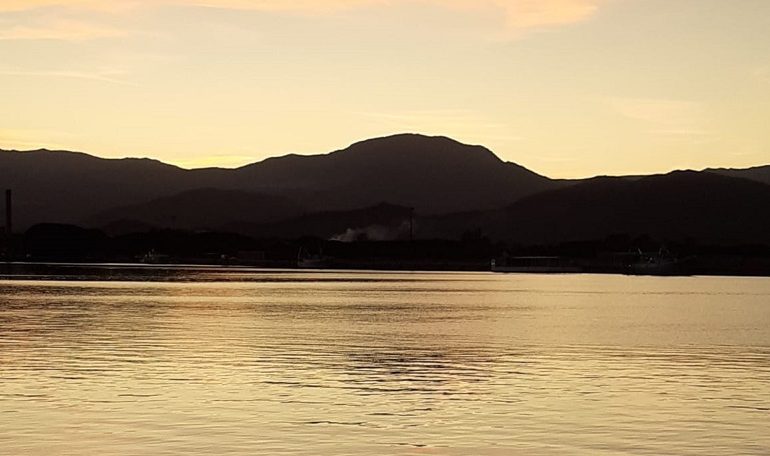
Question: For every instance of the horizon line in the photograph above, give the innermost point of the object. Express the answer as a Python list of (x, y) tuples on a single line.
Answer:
[(374, 138)]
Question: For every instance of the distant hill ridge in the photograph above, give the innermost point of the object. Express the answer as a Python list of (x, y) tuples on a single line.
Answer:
[(431, 174), (681, 205), (205, 208), (452, 187), (756, 173)]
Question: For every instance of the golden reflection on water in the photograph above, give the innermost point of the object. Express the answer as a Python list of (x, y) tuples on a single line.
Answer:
[(234, 362)]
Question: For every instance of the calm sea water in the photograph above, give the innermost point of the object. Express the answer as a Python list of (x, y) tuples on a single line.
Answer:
[(353, 363)]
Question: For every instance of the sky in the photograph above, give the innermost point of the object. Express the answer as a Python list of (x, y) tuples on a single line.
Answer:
[(567, 88)]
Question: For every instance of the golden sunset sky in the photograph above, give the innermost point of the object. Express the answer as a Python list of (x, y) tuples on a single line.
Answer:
[(568, 88)]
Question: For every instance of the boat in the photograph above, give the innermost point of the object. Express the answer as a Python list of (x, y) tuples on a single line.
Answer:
[(536, 265), (660, 263), (153, 257), (307, 260)]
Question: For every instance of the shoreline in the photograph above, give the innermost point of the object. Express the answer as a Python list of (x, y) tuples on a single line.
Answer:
[(28, 269)]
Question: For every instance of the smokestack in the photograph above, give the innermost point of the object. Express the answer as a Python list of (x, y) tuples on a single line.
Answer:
[(8, 213), (411, 224)]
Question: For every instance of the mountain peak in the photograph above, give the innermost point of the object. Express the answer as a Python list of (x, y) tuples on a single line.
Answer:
[(412, 146), (409, 138), (433, 174)]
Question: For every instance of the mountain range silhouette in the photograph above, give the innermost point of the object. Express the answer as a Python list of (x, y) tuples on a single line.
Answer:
[(451, 187)]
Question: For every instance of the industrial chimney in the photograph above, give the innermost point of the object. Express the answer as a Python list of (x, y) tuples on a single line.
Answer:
[(8, 213)]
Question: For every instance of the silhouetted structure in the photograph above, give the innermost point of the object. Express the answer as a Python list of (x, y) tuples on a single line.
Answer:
[(6, 239), (8, 213), (411, 224)]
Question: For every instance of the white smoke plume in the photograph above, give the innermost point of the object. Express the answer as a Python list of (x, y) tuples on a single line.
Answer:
[(374, 233)]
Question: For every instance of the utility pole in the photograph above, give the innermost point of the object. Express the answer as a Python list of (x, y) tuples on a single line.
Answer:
[(8, 213), (8, 234), (411, 224)]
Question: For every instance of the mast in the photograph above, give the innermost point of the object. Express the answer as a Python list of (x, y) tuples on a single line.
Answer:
[(8, 213), (8, 232), (411, 224)]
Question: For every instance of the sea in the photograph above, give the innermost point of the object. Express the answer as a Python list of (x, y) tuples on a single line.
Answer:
[(120, 360)]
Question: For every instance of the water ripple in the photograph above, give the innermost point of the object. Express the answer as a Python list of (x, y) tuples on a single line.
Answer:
[(201, 361)]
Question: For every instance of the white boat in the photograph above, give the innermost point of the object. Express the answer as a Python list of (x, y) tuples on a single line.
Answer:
[(153, 257), (660, 263), (306, 260)]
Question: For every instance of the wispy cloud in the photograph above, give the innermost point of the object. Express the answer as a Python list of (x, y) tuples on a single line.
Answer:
[(65, 30), (25, 139), (532, 14), (675, 113), (692, 136), (110, 76), (520, 15), (7, 6), (673, 119), (25, 5)]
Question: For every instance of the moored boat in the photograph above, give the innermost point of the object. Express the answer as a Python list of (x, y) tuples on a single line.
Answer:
[(660, 263), (306, 260)]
